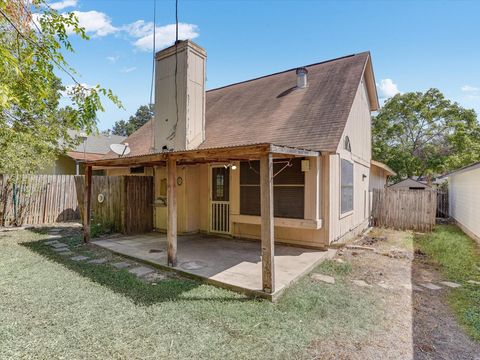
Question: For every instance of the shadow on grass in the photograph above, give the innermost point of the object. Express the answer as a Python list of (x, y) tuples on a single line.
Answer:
[(142, 292)]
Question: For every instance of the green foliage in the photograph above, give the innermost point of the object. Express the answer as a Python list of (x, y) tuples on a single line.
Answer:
[(425, 134), (459, 259), (126, 128), (33, 127)]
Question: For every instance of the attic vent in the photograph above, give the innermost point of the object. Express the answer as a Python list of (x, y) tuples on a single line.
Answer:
[(346, 144), (302, 77)]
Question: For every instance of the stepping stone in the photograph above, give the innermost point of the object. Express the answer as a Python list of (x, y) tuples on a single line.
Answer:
[(54, 237), (79, 258), (98, 261), (59, 245), (141, 271), (62, 249), (431, 286), (66, 253), (416, 288), (154, 277), (385, 286), (450, 284), (121, 265), (325, 278), (361, 283), (51, 242), (360, 247), (473, 282)]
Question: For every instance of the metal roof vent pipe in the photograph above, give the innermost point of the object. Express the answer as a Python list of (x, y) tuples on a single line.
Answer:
[(302, 78)]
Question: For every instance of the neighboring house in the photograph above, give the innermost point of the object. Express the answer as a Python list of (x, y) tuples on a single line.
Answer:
[(92, 147), (310, 125), (379, 174), (464, 198), (410, 184)]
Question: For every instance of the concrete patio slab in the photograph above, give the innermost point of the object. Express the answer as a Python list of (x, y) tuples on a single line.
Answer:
[(231, 263)]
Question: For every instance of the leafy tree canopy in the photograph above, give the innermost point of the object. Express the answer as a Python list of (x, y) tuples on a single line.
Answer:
[(424, 134), (33, 126), (141, 117)]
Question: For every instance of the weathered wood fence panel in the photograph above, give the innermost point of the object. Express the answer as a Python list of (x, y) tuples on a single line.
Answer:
[(126, 204), (442, 204), (37, 199), (404, 209)]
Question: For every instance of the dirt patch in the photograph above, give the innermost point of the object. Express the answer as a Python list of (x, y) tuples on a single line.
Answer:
[(416, 323)]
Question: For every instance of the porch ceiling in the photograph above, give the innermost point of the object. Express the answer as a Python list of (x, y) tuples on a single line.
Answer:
[(197, 156)]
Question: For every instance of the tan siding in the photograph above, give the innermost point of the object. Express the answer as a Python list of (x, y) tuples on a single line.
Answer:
[(378, 178), (358, 129), (464, 196)]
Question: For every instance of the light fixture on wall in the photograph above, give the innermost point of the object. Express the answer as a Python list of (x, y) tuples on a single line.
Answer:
[(231, 166)]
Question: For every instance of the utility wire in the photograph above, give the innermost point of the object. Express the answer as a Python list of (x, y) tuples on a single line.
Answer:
[(152, 84)]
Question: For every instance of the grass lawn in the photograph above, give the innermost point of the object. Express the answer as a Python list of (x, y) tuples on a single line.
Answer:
[(53, 307), (458, 257)]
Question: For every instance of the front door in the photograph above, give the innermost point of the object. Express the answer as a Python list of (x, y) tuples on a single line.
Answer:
[(220, 200)]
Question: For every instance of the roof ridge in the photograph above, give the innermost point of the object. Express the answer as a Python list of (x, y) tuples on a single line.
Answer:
[(284, 71)]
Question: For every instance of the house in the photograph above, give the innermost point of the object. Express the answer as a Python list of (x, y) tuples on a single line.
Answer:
[(284, 158), (464, 199), (410, 184), (91, 147)]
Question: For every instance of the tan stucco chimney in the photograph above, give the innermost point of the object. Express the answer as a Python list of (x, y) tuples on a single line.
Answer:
[(188, 130)]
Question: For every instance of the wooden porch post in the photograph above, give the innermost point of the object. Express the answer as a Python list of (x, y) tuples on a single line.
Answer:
[(87, 195), (267, 228), (172, 211)]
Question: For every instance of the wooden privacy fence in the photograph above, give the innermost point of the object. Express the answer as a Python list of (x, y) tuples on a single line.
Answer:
[(120, 203), (37, 199), (404, 209), (442, 204)]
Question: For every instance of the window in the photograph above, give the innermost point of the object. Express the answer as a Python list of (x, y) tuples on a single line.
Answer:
[(346, 144), (288, 188), (220, 184), (346, 192), (137, 170)]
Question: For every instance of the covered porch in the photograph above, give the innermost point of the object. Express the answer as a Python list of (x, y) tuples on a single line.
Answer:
[(230, 263), (262, 256)]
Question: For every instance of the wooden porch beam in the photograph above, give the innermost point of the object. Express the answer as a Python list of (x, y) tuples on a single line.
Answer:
[(87, 196), (172, 211), (267, 223)]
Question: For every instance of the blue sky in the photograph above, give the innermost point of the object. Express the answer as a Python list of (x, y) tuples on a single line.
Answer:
[(415, 45)]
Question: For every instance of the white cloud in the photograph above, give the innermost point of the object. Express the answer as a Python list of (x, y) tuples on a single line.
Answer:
[(139, 28), (387, 89), (60, 5), (470, 89), (128, 69), (74, 88), (95, 22), (164, 35), (113, 59)]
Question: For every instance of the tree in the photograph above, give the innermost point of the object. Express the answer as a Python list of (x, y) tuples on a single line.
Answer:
[(125, 128), (424, 134), (33, 126)]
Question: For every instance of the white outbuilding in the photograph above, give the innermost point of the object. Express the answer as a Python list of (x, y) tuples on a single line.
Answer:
[(464, 199)]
